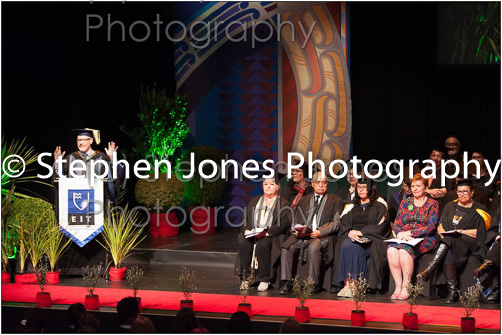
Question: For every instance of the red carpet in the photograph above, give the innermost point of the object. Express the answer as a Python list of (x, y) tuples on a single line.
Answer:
[(327, 309)]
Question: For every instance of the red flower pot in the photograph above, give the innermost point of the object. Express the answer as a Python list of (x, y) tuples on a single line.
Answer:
[(245, 307), (117, 274), (302, 314), (468, 325), (91, 302), (186, 303), (5, 277), (358, 319), (44, 299), (52, 278), (159, 227), (26, 278), (140, 306), (201, 223), (410, 321)]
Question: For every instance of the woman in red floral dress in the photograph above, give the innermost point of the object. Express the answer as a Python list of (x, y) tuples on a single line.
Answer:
[(416, 218)]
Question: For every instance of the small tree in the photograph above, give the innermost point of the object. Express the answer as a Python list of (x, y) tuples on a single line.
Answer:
[(92, 276), (358, 290), (303, 293), (41, 273), (414, 291), (187, 282), (470, 300), (134, 277), (245, 285)]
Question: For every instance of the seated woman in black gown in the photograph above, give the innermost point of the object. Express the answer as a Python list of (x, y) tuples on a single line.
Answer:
[(297, 187), (364, 226), (469, 220), (269, 216)]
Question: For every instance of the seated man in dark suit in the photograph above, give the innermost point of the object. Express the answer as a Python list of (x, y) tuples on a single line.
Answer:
[(320, 212)]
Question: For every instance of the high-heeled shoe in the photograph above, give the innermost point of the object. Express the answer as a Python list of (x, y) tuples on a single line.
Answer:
[(394, 296)]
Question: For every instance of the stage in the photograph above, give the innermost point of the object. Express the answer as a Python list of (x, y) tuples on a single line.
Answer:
[(212, 257)]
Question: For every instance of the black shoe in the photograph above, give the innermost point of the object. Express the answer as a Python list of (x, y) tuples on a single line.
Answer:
[(492, 298), (370, 290), (335, 289), (316, 290), (286, 287)]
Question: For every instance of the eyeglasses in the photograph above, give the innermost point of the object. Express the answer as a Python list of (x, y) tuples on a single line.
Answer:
[(322, 182), (362, 187), (83, 139), (463, 191), (297, 171), (451, 145)]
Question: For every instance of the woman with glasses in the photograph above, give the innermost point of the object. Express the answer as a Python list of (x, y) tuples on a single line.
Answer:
[(364, 226), (462, 230), (297, 187), (416, 218)]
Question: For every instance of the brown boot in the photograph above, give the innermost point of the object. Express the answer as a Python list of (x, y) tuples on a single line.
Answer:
[(484, 268)]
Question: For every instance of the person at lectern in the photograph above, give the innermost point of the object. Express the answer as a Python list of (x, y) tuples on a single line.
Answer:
[(86, 154)]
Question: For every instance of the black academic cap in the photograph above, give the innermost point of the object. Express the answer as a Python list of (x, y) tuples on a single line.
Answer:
[(94, 133), (465, 182), (479, 149)]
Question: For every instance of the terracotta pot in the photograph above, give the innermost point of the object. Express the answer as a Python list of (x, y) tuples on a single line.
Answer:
[(52, 278), (44, 299), (162, 228), (91, 302), (26, 278), (186, 303), (245, 307), (358, 319), (117, 274), (200, 220), (5, 277), (302, 314), (410, 321), (468, 325), (140, 306)]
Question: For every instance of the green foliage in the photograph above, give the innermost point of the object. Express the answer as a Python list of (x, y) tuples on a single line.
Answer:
[(29, 156), (303, 293), (58, 243), (414, 291), (10, 238), (30, 210), (38, 240), (121, 234), (470, 300), (187, 282), (168, 193), (205, 192), (91, 277), (41, 274), (162, 128), (134, 277), (358, 290), (245, 284)]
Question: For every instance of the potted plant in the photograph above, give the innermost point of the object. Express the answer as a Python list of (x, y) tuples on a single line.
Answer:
[(58, 243), (410, 319), (120, 235), (470, 301), (91, 277), (302, 313), (245, 285), (134, 277), (38, 241), (159, 196), (9, 238), (43, 298), (204, 193), (358, 290), (29, 216), (187, 284)]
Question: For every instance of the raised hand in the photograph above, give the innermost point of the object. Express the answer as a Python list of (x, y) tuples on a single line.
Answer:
[(111, 149), (57, 153)]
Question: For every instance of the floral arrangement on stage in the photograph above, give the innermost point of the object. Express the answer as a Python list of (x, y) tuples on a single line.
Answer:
[(134, 277), (245, 285), (91, 277), (414, 291), (187, 282), (358, 290), (470, 299), (41, 273), (303, 293)]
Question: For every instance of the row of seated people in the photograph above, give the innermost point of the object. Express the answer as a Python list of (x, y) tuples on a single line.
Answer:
[(351, 237)]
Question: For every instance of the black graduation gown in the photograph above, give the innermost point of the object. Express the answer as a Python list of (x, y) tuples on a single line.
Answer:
[(281, 219), (289, 192), (450, 185), (471, 218), (374, 231)]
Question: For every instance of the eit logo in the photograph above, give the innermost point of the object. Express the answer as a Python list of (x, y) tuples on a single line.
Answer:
[(81, 207)]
